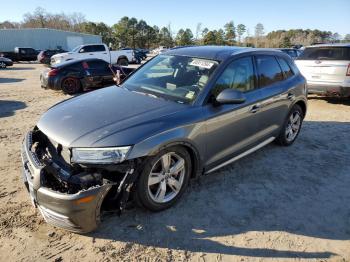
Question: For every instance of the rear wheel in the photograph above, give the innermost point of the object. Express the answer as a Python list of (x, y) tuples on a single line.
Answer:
[(71, 85), (291, 127), (123, 62), (2, 65), (164, 179)]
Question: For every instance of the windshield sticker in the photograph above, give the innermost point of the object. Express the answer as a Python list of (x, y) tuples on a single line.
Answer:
[(190, 95), (202, 63)]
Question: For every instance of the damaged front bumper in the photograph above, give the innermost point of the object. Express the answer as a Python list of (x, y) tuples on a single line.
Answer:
[(78, 212)]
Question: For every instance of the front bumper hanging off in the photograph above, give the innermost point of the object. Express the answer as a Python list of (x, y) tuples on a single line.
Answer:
[(78, 212)]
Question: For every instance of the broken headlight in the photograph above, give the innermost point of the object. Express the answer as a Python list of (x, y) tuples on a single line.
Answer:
[(108, 155)]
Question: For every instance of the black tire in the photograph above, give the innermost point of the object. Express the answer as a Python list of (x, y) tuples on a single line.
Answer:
[(71, 85), (123, 62), (282, 139), (3, 65), (142, 195)]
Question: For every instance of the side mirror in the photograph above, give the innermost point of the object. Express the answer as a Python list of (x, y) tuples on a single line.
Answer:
[(230, 96)]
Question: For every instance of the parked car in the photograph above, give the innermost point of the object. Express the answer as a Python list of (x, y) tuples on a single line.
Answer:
[(190, 111), (5, 62), (139, 54), (100, 51), (21, 54), (81, 75), (292, 52), (327, 69), (44, 56)]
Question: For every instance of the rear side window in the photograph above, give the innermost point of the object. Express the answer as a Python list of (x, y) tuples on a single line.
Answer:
[(285, 67), (291, 53), (74, 67), (97, 48), (97, 64), (325, 53), (269, 70)]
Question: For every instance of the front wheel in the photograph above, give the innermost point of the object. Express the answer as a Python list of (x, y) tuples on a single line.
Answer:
[(164, 179), (291, 127), (2, 65)]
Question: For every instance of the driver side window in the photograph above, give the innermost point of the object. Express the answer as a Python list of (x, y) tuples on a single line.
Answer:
[(238, 75)]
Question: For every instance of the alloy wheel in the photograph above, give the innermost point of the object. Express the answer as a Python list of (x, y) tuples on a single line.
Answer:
[(166, 177), (293, 126), (70, 85)]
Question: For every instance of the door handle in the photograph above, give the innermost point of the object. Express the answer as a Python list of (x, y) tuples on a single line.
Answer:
[(290, 96), (255, 108)]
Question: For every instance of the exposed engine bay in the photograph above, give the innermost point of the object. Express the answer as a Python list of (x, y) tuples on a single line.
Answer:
[(60, 175)]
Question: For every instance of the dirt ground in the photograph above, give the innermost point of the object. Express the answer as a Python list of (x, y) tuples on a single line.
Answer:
[(276, 204)]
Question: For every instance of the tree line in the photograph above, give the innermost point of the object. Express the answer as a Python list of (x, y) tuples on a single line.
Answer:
[(130, 32)]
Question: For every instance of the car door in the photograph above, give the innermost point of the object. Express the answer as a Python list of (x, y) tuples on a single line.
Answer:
[(93, 73), (99, 51), (232, 128), (276, 94)]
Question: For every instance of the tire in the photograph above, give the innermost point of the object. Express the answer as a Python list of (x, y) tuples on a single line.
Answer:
[(123, 62), (2, 65), (150, 196), (291, 127), (71, 85)]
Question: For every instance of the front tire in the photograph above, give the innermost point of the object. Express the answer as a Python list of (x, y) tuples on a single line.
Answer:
[(164, 179), (291, 127)]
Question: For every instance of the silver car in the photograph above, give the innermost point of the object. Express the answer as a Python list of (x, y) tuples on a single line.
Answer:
[(186, 112), (326, 68)]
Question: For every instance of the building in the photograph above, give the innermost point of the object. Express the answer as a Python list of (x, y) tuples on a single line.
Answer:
[(43, 38)]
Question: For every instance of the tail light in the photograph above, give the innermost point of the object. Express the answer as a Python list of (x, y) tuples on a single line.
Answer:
[(348, 71), (53, 72)]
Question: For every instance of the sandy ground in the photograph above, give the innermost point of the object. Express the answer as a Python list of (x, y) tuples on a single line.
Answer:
[(276, 204)]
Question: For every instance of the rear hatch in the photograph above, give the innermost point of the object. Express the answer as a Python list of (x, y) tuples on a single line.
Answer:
[(324, 64)]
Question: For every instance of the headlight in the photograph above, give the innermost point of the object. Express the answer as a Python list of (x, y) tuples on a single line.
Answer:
[(108, 155)]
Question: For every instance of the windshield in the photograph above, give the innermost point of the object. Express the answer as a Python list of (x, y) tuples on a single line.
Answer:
[(75, 49), (178, 78)]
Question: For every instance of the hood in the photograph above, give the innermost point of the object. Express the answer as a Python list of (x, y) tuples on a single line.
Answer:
[(61, 55), (107, 117)]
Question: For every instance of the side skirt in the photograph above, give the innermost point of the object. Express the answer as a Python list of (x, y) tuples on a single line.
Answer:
[(249, 151)]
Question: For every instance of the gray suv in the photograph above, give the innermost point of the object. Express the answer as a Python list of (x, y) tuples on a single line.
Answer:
[(186, 112)]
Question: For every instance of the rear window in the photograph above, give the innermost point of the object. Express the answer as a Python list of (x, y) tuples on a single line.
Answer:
[(325, 53), (269, 70), (285, 67)]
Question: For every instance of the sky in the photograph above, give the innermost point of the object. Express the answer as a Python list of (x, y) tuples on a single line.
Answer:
[(330, 15)]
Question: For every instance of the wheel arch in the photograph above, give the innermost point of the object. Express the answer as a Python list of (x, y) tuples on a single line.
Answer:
[(192, 151), (122, 57), (153, 149), (303, 106)]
